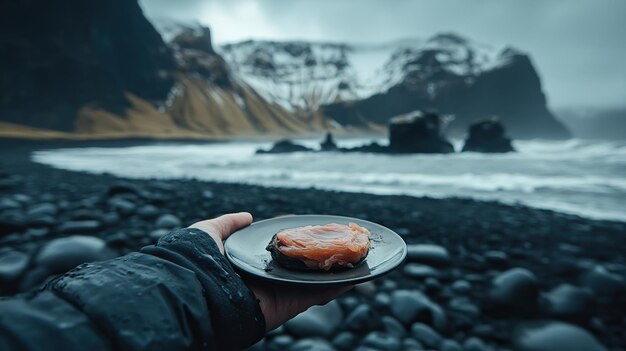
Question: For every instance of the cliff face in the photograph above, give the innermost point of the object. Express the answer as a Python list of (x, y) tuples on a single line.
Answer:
[(58, 56), (99, 68), (359, 85)]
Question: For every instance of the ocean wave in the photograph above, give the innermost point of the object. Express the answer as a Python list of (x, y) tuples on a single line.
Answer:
[(574, 176)]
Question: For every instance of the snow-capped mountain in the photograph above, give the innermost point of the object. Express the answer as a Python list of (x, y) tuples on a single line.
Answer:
[(363, 85), (310, 74)]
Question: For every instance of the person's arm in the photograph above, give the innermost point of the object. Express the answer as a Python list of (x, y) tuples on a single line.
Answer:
[(180, 294)]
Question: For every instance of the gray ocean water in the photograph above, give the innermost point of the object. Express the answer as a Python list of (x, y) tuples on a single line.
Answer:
[(586, 178)]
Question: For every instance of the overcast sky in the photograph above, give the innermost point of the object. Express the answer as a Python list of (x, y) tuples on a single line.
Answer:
[(578, 46)]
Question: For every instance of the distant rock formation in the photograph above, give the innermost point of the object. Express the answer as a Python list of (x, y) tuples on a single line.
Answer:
[(364, 85), (329, 143), (487, 136), (418, 133), (415, 133), (284, 146)]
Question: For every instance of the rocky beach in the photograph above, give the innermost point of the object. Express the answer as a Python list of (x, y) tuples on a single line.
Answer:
[(479, 275)]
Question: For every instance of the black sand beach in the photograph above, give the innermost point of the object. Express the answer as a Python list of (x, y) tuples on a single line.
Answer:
[(465, 291)]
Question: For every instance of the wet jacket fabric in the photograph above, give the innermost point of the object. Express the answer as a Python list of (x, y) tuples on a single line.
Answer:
[(180, 294)]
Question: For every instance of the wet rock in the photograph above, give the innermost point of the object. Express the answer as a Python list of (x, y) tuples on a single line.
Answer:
[(168, 221), (450, 345), (382, 341), (284, 146), (123, 188), (22, 198), (11, 222), (349, 303), (393, 327), (432, 285), (316, 321), (426, 335), (61, 255), (465, 306), (9, 204), (344, 341), (148, 211), (569, 302), (362, 318), (604, 283), (42, 209), (158, 233), (122, 206), (554, 336), (487, 136), (279, 343), (409, 306), (410, 344), (418, 133), (496, 258), (461, 287), (86, 214), (12, 265), (475, 344), (420, 271), (40, 221), (312, 345), (75, 227), (382, 300), (513, 291), (433, 255)]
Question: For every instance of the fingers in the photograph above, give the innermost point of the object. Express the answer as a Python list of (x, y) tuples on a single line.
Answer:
[(229, 223), (222, 227)]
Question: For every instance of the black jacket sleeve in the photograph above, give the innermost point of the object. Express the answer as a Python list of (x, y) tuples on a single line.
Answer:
[(180, 294)]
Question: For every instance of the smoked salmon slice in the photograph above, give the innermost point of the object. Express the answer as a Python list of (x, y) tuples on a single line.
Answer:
[(326, 247)]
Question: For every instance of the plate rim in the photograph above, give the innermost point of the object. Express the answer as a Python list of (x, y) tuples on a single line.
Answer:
[(347, 281)]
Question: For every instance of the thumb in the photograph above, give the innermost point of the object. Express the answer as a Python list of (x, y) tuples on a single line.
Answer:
[(222, 227)]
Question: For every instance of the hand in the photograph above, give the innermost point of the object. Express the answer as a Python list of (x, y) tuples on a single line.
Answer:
[(279, 303)]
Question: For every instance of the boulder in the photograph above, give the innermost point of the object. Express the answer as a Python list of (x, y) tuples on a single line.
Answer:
[(319, 321), (12, 265), (426, 335), (284, 146), (168, 221), (381, 341), (569, 302), (418, 133), (433, 255), (513, 292), (79, 227), (487, 136), (604, 283), (554, 336), (409, 306)]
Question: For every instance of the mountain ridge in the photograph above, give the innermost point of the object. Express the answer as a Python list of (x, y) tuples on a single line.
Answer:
[(357, 86)]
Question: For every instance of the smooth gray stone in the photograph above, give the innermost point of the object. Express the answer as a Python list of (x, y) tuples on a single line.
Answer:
[(316, 321), (554, 336)]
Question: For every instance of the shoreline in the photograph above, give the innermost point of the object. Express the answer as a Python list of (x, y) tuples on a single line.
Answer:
[(484, 239)]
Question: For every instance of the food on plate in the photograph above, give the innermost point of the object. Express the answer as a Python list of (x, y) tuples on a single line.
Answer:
[(320, 247)]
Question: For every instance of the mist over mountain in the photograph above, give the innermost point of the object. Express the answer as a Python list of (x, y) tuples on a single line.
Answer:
[(609, 123)]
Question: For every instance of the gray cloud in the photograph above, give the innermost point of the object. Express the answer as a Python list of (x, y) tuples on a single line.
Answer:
[(577, 45)]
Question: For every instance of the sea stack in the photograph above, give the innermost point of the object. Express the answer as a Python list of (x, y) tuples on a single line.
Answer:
[(487, 136), (418, 132)]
